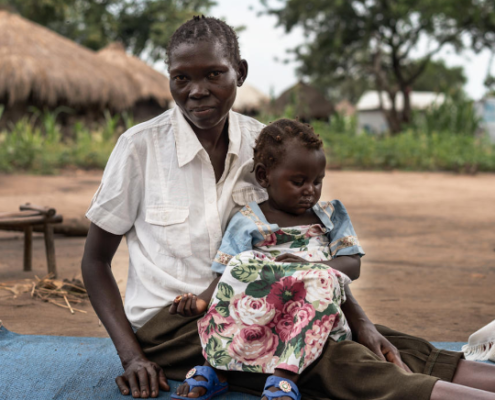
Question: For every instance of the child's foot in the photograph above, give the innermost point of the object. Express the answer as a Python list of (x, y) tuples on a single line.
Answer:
[(184, 389), (282, 385), (275, 389)]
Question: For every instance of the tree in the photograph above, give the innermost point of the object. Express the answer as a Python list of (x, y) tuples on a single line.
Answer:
[(374, 39), (437, 77), (141, 25)]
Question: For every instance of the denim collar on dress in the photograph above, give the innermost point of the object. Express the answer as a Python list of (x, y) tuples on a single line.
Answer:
[(323, 209)]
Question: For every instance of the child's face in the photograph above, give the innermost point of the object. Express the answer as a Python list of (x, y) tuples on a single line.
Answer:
[(204, 82), (294, 184)]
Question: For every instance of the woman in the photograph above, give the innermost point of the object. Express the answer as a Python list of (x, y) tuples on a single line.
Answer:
[(170, 186)]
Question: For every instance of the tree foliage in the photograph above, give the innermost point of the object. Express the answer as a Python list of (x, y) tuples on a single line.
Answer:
[(141, 25), (374, 39), (437, 77)]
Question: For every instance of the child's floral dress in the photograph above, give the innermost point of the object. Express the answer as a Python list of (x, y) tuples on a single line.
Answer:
[(266, 314)]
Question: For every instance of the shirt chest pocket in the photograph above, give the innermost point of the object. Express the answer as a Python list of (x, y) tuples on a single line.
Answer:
[(170, 228)]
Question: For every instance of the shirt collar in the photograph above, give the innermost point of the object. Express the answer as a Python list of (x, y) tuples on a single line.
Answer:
[(187, 143)]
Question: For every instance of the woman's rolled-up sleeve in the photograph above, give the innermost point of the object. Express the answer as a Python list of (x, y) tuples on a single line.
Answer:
[(343, 238), (236, 239), (115, 204)]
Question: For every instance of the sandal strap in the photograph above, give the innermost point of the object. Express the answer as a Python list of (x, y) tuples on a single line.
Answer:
[(206, 372), (274, 381), (194, 383)]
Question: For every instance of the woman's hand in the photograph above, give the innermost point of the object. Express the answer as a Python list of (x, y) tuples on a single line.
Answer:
[(142, 379), (369, 336), (291, 258), (188, 305)]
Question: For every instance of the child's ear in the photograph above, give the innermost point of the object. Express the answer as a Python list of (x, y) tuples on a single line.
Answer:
[(261, 174)]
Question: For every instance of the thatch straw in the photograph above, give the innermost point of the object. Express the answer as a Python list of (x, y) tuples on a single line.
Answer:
[(307, 101), (250, 99), (152, 84), (41, 66)]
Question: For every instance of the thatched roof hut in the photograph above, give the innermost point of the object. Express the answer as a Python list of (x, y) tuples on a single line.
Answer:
[(152, 84), (40, 67), (308, 102), (250, 100)]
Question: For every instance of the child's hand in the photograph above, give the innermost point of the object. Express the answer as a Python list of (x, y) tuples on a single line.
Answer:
[(291, 258), (188, 305)]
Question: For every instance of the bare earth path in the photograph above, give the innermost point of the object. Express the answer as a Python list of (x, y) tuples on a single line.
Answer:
[(429, 238)]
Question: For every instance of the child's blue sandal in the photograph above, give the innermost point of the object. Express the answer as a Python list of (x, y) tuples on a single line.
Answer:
[(212, 385), (286, 386)]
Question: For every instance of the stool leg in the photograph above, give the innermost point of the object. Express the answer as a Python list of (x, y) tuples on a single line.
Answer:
[(28, 248), (50, 250)]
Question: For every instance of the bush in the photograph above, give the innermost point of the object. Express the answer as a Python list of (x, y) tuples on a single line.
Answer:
[(409, 150), (39, 148)]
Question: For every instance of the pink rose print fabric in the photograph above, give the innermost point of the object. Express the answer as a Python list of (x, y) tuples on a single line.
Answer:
[(266, 314)]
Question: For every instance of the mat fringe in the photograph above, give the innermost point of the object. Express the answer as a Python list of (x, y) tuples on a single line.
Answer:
[(482, 351)]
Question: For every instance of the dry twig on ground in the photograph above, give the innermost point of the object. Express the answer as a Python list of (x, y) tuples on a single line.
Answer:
[(49, 290)]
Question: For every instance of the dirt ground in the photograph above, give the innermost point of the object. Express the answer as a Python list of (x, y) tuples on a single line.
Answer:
[(429, 237)]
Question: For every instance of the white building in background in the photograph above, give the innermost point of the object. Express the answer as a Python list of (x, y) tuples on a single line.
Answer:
[(485, 108), (371, 118)]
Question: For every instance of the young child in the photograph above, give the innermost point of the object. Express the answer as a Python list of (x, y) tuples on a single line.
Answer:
[(278, 299)]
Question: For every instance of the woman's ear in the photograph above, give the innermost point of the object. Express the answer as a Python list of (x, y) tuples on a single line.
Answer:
[(261, 174), (242, 72)]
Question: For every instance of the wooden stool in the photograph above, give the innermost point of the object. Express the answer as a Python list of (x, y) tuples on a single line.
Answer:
[(40, 219)]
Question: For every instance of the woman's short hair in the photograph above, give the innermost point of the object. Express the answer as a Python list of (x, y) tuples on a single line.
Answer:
[(201, 28)]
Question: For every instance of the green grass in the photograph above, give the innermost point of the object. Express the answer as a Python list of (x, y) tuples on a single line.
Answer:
[(408, 151), (41, 148)]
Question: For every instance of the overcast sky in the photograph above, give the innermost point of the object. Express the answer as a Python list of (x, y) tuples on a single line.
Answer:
[(261, 43)]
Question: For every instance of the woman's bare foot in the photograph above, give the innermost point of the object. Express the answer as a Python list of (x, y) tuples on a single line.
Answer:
[(183, 389)]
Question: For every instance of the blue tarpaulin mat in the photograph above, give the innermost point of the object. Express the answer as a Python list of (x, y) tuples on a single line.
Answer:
[(56, 367)]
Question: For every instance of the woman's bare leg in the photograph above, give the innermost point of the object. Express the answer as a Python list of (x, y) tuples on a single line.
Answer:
[(451, 391), (476, 375)]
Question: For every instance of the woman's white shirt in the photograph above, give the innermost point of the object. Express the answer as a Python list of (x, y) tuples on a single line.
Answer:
[(159, 189)]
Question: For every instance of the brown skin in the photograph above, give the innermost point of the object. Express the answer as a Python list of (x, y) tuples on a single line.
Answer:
[(203, 84), (196, 84), (288, 187), (142, 377), (294, 187)]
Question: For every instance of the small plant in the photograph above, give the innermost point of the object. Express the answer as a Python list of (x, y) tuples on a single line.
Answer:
[(110, 126), (455, 115), (36, 145)]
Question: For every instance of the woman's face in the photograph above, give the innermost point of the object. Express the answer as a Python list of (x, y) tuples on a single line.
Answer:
[(204, 82)]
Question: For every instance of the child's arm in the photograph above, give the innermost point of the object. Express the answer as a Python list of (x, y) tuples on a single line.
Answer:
[(349, 265), (189, 305), (236, 239)]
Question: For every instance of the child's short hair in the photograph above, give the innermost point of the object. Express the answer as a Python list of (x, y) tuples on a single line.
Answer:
[(270, 145), (201, 28)]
